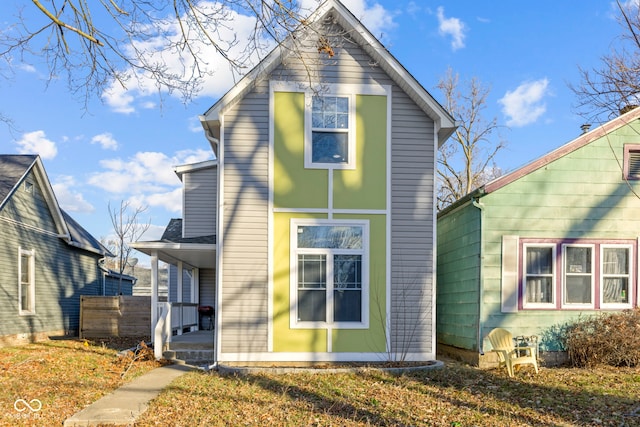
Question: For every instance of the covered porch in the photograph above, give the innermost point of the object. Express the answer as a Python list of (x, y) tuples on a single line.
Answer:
[(194, 260)]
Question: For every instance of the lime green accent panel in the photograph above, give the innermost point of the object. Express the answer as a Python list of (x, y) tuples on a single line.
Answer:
[(372, 339), (286, 339), (293, 185), (366, 186)]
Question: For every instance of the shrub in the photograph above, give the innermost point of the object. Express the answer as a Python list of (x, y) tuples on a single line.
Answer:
[(605, 339)]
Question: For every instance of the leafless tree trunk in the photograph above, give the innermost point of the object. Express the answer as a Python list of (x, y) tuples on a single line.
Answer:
[(127, 228), (466, 160)]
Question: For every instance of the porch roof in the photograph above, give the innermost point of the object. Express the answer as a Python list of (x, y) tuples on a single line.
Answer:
[(199, 253)]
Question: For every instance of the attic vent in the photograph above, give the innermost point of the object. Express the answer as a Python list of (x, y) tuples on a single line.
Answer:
[(28, 187), (632, 162)]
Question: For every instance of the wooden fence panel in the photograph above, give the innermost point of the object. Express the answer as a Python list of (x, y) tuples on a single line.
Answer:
[(118, 316)]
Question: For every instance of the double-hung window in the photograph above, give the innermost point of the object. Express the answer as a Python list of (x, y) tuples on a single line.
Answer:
[(539, 278), (330, 133), (578, 275), (330, 284), (615, 275), (26, 282)]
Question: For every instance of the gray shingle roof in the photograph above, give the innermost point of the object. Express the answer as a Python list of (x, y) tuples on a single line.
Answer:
[(173, 234)]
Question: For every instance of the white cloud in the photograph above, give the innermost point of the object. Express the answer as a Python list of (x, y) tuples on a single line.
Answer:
[(119, 98), (69, 199), (106, 141), (144, 173), (451, 27), (171, 201), (375, 17), (525, 104), (37, 143)]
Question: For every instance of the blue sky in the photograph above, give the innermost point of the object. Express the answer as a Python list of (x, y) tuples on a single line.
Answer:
[(124, 144)]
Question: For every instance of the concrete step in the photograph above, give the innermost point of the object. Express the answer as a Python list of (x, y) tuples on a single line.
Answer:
[(189, 356)]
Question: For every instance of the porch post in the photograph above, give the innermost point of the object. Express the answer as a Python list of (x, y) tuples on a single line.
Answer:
[(154, 291), (179, 296), (195, 294)]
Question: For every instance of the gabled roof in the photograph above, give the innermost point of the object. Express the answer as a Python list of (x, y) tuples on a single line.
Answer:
[(14, 168), (370, 44), (579, 142)]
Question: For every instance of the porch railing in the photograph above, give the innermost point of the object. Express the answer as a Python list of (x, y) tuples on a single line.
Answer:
[(172, 316)]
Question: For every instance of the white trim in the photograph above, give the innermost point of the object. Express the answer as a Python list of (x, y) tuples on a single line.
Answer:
[(262, 357), (220, 237), (32, 228), (270, 220), (563, 275), (329, 89), (293, 275), (333, 211), (32, 281), (630, 281)]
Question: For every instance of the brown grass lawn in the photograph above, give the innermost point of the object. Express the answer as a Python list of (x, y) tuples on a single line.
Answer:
[(67, 375), (63, 375), (457, 395)]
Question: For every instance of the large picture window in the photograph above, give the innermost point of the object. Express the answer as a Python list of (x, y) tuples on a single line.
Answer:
[(585, 274), (330, 284), (26, 282)]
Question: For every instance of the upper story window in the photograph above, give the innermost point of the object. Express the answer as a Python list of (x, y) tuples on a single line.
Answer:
[(631, 168), (330, 285), (26, 282), (330, 133)]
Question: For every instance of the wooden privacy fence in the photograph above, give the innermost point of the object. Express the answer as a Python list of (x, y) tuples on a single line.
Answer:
[(118, 316)]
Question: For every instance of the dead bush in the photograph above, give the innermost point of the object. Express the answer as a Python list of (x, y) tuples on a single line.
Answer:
[(605, 339)]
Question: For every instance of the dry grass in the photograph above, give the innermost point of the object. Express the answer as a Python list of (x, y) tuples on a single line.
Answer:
[(64, 376), (68, 375), (457, 395)]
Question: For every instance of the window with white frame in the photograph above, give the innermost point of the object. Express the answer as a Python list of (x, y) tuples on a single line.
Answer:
[(578, 275), (330, 281), (539, 277), (615, 275), (586, 274), (330, 133), (26, 282)]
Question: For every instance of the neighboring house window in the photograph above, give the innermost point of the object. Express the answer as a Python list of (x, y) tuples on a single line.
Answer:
[(539, 275), (26, 281), (330, 278), (616, 275), (330, 135), (631, 168), (576, 275)]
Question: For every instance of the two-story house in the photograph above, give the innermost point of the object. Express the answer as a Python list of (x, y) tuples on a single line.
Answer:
[(318, 214)]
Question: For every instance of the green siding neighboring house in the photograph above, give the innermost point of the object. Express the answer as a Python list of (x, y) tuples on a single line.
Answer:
[(539, 247), (47, 260)]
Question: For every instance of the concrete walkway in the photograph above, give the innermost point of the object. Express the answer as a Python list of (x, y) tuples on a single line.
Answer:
[(126, 404)]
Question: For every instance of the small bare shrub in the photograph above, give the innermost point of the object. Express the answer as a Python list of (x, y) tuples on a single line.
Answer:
[(605, 339)]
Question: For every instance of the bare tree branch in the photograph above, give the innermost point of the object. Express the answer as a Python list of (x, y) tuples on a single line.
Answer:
[(466, 160)]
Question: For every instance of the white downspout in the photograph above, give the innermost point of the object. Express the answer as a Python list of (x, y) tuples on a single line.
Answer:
[(480, 206)]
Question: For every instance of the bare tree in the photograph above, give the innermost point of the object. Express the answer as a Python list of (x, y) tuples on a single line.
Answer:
[(127, 228), (614, 87), (94, 44), (466, 159)]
